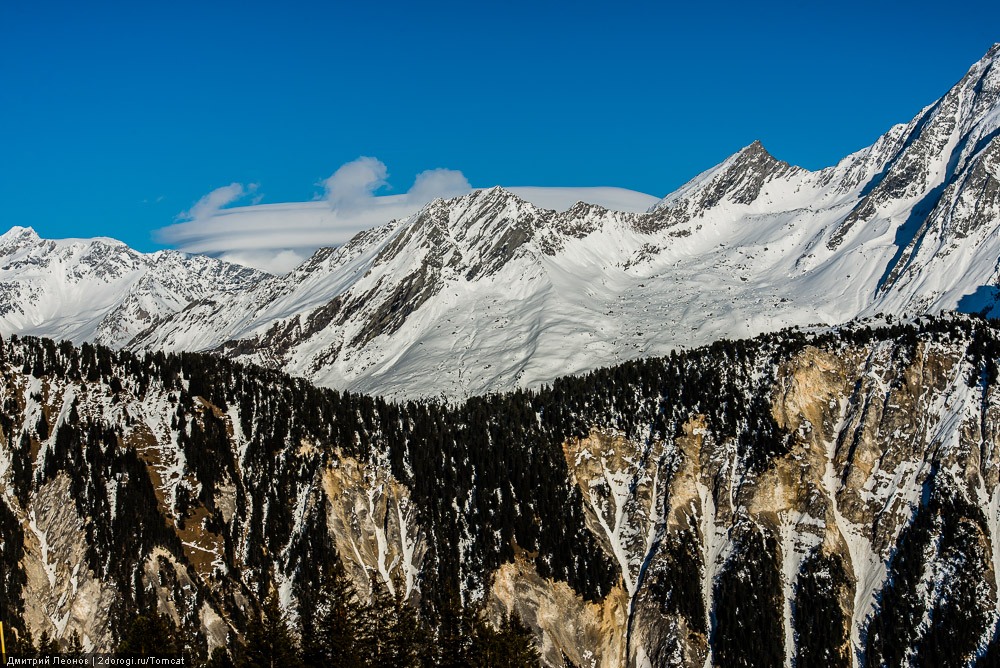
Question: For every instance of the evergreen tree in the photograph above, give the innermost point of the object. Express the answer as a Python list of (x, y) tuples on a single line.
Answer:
[(47, 645), (455, 633), (21, 645), (269, 639), (332, 624), (75, 645), (822, 636), (220, 659), (150, 634), (512, 645), (485, 648), (392, 636), (517, 644), (407, 637), (379, 620)]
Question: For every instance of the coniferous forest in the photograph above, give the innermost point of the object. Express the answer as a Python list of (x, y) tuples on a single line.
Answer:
[(490, 484)]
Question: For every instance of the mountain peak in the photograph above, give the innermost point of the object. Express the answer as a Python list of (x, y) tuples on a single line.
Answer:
[(983, 68), (18, 232), (478, 205), (17, 238), (932, 153), (741, 177), (497, 287), (495, 194), (755, 147), (982, 78), (755, 154)]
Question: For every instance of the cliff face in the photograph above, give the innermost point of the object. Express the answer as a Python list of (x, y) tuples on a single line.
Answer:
[(828, 500), (875, 435)]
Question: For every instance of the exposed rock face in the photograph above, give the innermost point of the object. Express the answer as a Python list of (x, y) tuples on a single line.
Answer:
[(953, 127), (588, 634), (809, 500), (100, 289), (873, 432), (743, 180), (372, 518), (62, 592), (620, 482)]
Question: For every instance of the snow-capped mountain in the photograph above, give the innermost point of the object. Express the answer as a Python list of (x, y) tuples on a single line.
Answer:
[(100, 289), (486, 292)]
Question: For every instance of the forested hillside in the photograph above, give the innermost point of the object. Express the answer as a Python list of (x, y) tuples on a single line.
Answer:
[(797, 495)]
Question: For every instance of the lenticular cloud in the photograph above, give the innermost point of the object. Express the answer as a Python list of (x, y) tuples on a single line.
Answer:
[(277, 237), (211, 203)]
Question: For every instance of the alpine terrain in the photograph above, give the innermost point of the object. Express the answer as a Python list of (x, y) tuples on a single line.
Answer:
[(756, 425), (487, 292)]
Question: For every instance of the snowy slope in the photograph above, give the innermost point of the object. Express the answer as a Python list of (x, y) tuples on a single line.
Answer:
[(561, 199), (488, 291), (100, 289), (278, 237)]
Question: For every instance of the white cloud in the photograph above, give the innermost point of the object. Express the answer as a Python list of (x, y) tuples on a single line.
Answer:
[(274, 262), (211, 203), (355, 183), (436, 183), (278, 237)]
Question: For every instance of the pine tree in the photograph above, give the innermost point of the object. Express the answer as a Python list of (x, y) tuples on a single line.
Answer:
[(220, 659), (485, 648), (407, 637), (269, 639), (392, 635), (47, 646), (75, 646), (518, 643), (330, 628), (510, 646), (379, 620), (150, 634), (22, 645)]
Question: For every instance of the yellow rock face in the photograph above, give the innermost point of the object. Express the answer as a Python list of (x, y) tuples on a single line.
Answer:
[(373, 521), (590, 634)]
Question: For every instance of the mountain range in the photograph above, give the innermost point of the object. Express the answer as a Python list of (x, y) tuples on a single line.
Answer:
[(744, 427), (487, 292)]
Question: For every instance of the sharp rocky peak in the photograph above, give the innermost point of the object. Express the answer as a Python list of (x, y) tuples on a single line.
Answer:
[(991, 56), (757, 160), (478, 234), (932, 153), (17, 237), (739, 179), (488, 201), (755, 148)]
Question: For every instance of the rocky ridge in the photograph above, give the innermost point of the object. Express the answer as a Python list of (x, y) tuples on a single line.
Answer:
[(100, 289), (486, 291)]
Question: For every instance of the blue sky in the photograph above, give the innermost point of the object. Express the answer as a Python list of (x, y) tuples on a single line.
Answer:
[(117, 118)]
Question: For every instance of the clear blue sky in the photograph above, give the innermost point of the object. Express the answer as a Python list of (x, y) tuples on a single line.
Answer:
[(117, 116)]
